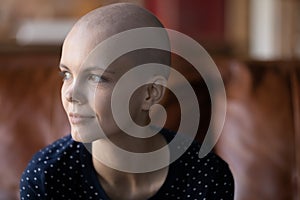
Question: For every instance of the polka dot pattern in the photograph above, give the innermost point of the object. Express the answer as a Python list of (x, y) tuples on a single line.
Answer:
[(64, 170)]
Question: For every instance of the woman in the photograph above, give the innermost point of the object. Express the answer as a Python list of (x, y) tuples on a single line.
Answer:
[(67, 170)]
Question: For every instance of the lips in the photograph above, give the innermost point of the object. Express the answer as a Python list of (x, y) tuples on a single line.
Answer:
[(76, 118)]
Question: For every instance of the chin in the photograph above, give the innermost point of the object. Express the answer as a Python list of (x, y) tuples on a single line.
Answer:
[(84, 137)]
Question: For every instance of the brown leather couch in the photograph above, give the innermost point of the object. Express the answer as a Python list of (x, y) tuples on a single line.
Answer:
[(260, 139), (261, 136), (31, 113)]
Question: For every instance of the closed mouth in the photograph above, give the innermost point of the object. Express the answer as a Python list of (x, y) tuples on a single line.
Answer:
[(76, 118)]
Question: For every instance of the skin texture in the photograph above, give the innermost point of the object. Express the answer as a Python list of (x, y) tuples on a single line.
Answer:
[(86, 97)]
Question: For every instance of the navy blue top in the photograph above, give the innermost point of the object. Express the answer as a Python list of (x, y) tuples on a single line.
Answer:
[(64, 170)]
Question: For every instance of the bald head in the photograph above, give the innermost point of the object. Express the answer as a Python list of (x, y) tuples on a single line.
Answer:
[(104, 22), (101, 23), (116, 18)]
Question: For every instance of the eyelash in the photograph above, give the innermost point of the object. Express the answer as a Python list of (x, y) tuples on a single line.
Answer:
[(101, 78), (64, 75)]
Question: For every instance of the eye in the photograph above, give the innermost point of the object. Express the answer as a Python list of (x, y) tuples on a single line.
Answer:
[(96, 78), (65, 75)]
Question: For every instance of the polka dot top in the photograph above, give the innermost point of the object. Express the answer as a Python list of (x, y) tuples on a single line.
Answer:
[(64, 170)]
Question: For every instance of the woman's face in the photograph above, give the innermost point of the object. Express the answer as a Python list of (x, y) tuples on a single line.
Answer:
[(86, 91)]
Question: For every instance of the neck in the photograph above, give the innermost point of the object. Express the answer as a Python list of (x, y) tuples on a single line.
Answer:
[(129, 185)]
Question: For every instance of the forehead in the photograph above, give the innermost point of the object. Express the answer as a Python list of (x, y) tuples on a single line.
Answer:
[(77, 46), (83, 39), (77, 50)]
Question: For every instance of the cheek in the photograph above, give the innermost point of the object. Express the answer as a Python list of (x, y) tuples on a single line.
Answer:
[(104, 113), (102, 105), (62, 96)]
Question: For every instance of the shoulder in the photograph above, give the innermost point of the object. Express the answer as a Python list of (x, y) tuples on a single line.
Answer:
[(53, 153), (207, 177), (50, 164), (60, 153), (209, 167), (211, 175), (190, 160), (211, 162), (190, 149)]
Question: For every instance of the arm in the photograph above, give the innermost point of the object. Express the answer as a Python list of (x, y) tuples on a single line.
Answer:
[(31, 184)]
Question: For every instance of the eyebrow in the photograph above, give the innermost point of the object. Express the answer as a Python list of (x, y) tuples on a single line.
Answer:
[(95, 68), (63, 66)]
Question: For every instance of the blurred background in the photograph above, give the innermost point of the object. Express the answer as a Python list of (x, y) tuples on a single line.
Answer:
[(255, 44), (266, 29)]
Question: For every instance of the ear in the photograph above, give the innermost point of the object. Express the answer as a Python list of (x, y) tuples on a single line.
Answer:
[(155, 92)]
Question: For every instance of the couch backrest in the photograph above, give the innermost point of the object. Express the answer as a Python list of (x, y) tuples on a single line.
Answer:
[(260, 139), (31, 114)]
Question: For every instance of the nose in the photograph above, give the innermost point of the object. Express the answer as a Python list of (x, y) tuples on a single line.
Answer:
[(71, 99), (74, 93)]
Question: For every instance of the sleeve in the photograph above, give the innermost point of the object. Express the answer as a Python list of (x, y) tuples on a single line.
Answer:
[(31, 184)]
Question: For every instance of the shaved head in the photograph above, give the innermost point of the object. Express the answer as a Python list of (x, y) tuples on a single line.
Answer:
[(106, 21), (118, 17)]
